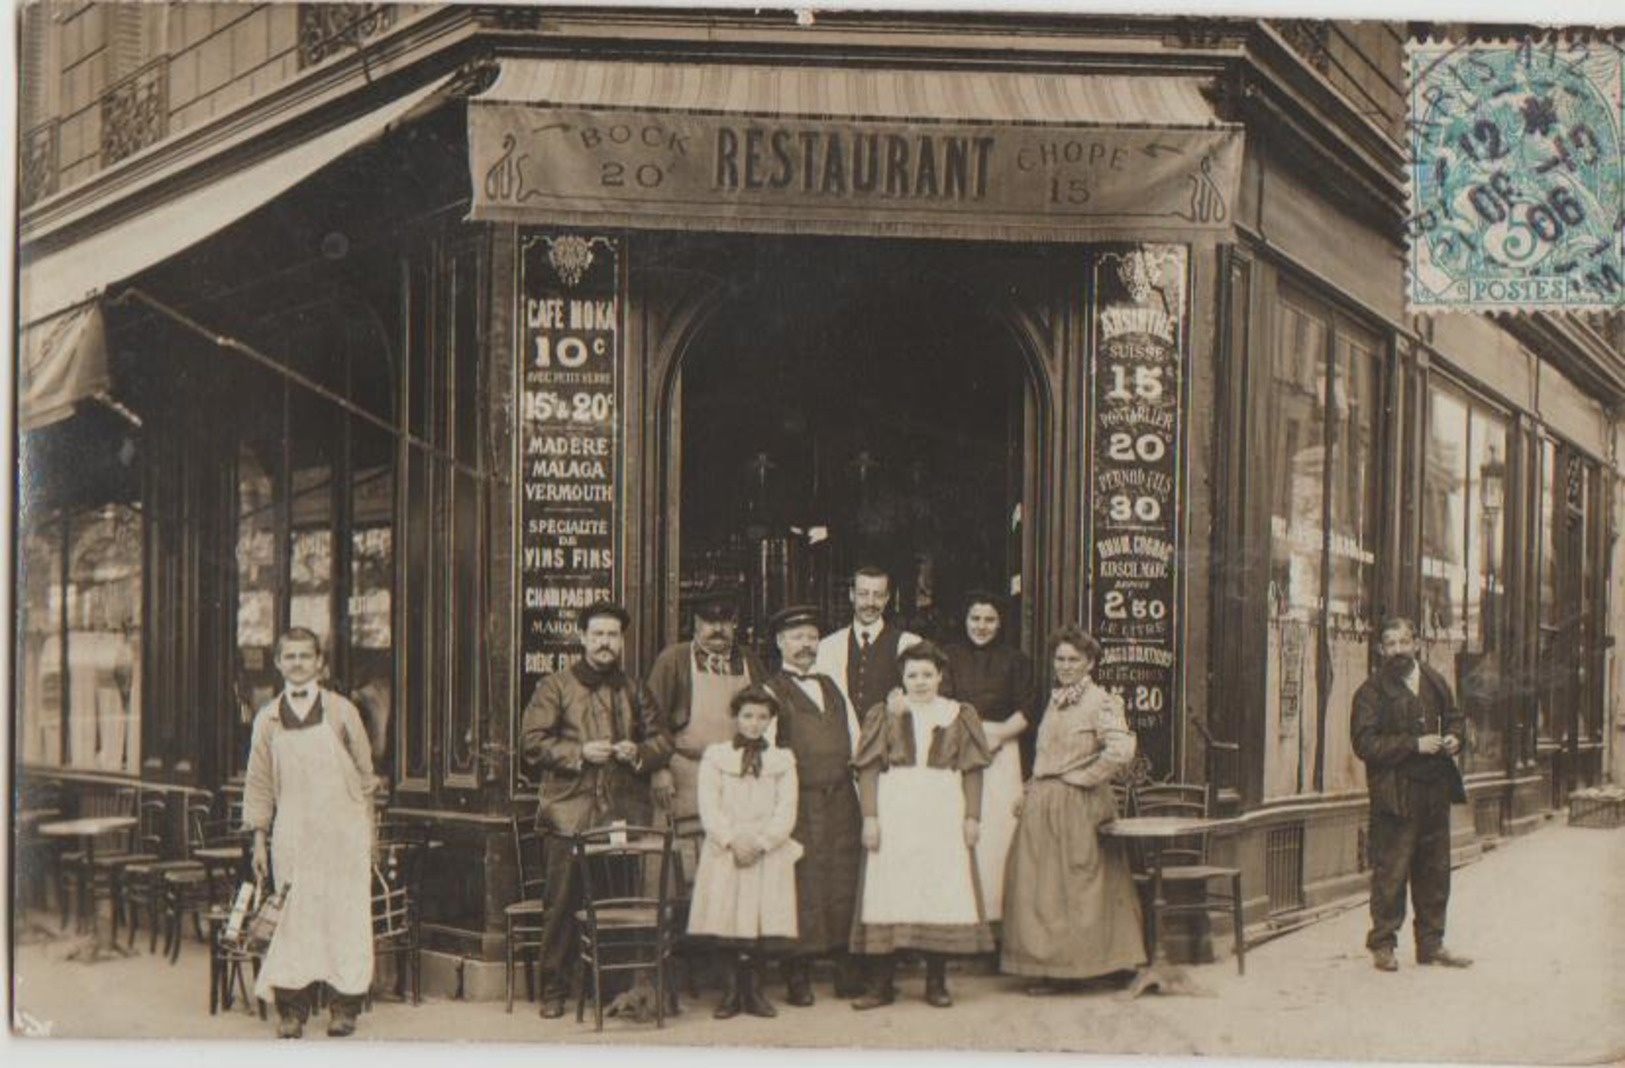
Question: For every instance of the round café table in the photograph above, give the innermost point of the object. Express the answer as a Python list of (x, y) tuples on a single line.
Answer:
[(1155, 833), (87, 829)]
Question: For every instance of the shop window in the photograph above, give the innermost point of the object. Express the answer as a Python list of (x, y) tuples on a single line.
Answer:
[(258, 582), (79, 681), (39, 642), (1324, 404), (371, 618), (1463, 618), (104, 639), (1571, 625)]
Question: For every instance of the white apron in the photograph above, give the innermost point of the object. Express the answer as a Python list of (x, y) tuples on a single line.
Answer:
[(709, 722), (321, 848), (1001, 785), (922, 872)]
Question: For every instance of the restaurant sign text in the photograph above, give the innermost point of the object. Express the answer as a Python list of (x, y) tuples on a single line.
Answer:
[(735, 172)]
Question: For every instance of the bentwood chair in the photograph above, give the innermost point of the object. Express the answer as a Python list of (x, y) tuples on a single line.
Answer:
[(142, 888), (102, 880), (397, 887), (626, 921), (527, 916), (1188, 878)]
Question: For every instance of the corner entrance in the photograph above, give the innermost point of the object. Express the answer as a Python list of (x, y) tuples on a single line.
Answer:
[(848, 404)]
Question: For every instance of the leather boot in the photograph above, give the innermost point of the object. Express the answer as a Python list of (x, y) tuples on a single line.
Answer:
[(728, 1008), (880, 988), (292, 1009), (342, 1013), (798, 989), (555, 993), (752, 996), (936, 982)]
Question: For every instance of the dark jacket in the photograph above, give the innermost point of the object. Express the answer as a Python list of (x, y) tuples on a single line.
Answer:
[(564, 713), (1386, 722), (671, 680)]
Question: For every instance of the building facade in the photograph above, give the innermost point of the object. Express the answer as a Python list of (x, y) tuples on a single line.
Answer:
[(423, 327)]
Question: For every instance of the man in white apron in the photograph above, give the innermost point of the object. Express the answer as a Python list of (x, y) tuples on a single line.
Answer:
[(309, 789), (693, 682)]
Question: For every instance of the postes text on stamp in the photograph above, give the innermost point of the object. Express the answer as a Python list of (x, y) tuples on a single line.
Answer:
[(1517, 175)]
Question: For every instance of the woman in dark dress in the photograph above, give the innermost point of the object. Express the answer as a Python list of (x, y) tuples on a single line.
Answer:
[(996, 679)]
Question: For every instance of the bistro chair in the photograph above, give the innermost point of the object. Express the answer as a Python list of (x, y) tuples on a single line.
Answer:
[(1185, 866), (142, 887), (624, 928), (203, 893), (526, 917), (397, 882), (89, 885)]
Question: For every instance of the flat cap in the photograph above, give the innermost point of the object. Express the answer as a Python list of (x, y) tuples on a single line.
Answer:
[(796, 615)]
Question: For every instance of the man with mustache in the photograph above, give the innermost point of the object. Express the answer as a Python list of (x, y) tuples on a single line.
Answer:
[(813, 724), (694, 681), (597, 736), (1407, 730)]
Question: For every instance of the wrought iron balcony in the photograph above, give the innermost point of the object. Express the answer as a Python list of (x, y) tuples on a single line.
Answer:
[(1363, 61), (328, 29), (135, 112)]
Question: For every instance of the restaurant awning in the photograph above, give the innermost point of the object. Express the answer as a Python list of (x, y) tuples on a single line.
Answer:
[(71, 276), (62, 360), (976, 154)]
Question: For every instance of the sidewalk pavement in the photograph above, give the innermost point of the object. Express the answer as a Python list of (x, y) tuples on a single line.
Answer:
[(1544, 917)]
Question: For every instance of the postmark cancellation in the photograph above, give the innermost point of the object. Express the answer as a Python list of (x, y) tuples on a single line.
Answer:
[(1516, 174)]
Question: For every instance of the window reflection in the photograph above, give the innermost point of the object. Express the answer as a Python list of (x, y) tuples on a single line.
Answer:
[(1297, 536), (1464, 565), (104, 639), (39, 645)]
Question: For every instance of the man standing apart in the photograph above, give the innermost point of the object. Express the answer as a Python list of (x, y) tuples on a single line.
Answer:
[(309, 787), (862, 657), (1407, 730), (812, 724), (693, 682), (597, 737)]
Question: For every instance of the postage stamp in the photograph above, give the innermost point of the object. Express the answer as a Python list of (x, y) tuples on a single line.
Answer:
[(1516, 175)]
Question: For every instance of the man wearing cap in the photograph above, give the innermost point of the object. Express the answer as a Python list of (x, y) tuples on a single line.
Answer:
[(813, 724), (862, 657), (597, 737), (693, 682)]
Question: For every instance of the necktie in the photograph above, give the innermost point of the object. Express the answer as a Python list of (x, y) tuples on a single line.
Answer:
[(717, 664)]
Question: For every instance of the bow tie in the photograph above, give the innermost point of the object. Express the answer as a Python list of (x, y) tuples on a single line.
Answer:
[(298, 695), (799, 677), (750, 763)]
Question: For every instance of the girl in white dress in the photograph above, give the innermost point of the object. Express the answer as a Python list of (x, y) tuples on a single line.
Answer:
[(745, 889), (920, 787)]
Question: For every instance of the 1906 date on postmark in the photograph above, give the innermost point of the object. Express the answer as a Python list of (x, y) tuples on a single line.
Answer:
[(1517, 175)]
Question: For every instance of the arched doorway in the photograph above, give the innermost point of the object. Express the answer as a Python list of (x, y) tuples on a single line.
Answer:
[(848, 402)]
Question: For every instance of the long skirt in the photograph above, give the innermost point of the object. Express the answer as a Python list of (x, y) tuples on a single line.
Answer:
[(1070, 909)]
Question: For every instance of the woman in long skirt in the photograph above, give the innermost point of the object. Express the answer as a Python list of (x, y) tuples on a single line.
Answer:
[(1070, 909), (996, 679), (920, 787)]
